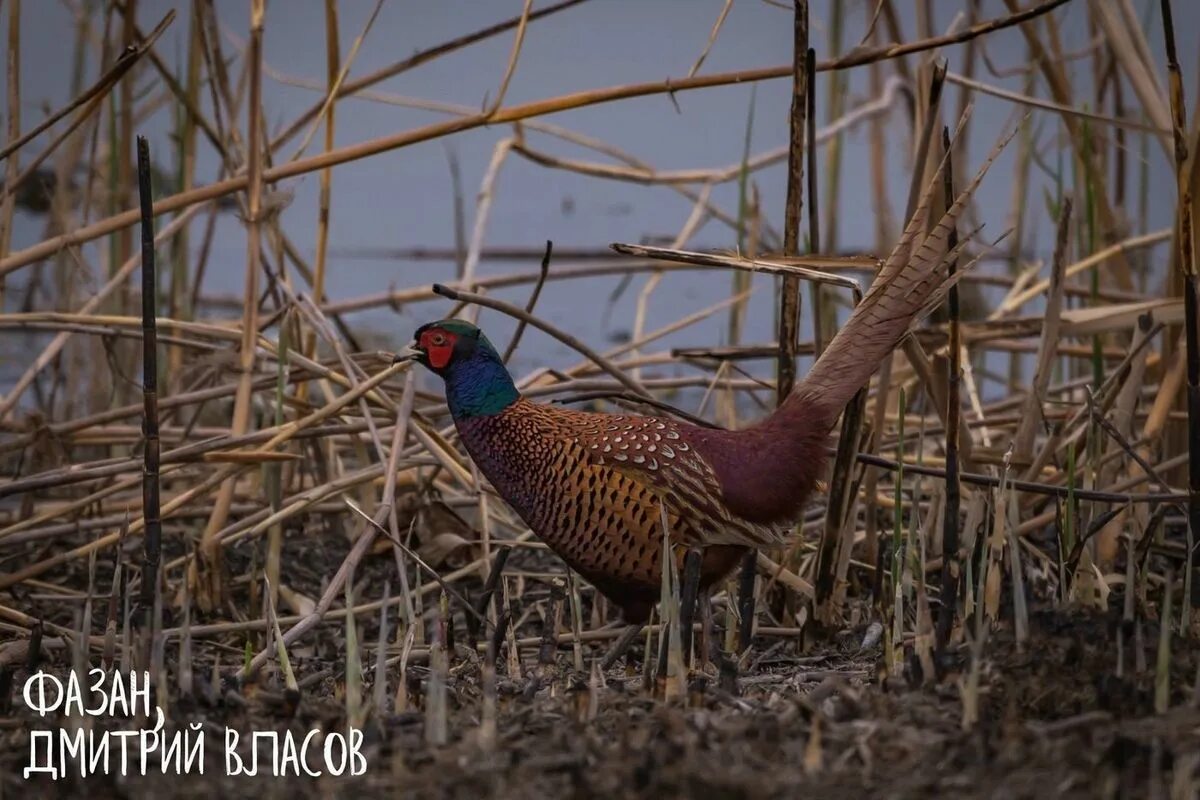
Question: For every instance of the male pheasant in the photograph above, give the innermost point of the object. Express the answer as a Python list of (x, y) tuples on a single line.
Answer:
[(593, 486)]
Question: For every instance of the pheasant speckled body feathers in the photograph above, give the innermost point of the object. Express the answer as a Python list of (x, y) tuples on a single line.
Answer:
[(595, 487), (598, 508)]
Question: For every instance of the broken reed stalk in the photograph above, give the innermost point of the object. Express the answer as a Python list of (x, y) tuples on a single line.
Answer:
[(789, 300), (152, 541), (950, 514), (1185, 230)]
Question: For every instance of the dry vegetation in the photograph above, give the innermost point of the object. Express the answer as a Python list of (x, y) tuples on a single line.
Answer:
[(991, 597)]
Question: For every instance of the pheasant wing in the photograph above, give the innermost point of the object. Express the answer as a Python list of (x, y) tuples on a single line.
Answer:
[(656, 453)]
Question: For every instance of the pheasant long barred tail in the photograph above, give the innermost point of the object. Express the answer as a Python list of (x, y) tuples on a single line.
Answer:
[(913, 275)]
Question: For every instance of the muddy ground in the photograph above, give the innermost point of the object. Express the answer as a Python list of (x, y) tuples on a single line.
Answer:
[(815, 719), (1055, 721)]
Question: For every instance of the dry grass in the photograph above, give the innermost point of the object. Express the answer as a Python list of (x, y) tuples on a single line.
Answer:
[(329, 552)]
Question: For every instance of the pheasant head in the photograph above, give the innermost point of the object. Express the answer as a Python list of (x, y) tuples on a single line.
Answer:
[(477, 382)]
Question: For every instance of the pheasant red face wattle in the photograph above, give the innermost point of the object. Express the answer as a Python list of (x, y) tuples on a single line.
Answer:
[(438, 345)]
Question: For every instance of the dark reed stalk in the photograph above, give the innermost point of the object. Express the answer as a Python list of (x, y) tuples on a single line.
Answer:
[(825, 557), (950, 517), (152, 541), (533, 298), (814, 216), (1191, 301), (690, 590), (824, 601), (789, 300)]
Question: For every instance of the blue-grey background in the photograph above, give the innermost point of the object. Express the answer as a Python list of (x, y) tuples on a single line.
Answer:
[(403, 198)]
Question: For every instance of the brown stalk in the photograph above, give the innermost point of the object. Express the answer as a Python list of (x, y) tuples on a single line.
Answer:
[(332, 65), (209, 553), (1191, 303), (789, 288), (513, 56), (1033, 415), (951, 566), (1050, 105), (789, 299)]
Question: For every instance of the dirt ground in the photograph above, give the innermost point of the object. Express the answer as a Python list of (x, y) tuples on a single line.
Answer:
[(1055, 721)]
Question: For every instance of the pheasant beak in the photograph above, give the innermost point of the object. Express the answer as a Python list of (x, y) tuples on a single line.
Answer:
[(411, 352)]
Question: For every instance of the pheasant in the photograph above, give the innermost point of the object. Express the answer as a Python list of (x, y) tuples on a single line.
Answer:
[(594, 486)]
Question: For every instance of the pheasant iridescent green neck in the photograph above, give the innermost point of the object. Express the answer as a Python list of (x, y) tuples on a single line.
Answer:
[(479, 385)]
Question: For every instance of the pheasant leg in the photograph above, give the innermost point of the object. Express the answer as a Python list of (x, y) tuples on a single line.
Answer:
[(687, 600)]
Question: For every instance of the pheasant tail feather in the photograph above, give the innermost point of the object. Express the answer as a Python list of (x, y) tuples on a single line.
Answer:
[(913, 275)]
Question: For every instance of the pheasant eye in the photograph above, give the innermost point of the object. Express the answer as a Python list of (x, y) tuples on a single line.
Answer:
[(437, 340)]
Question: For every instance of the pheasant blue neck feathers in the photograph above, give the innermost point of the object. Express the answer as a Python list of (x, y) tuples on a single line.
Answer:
[(477, 382)]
